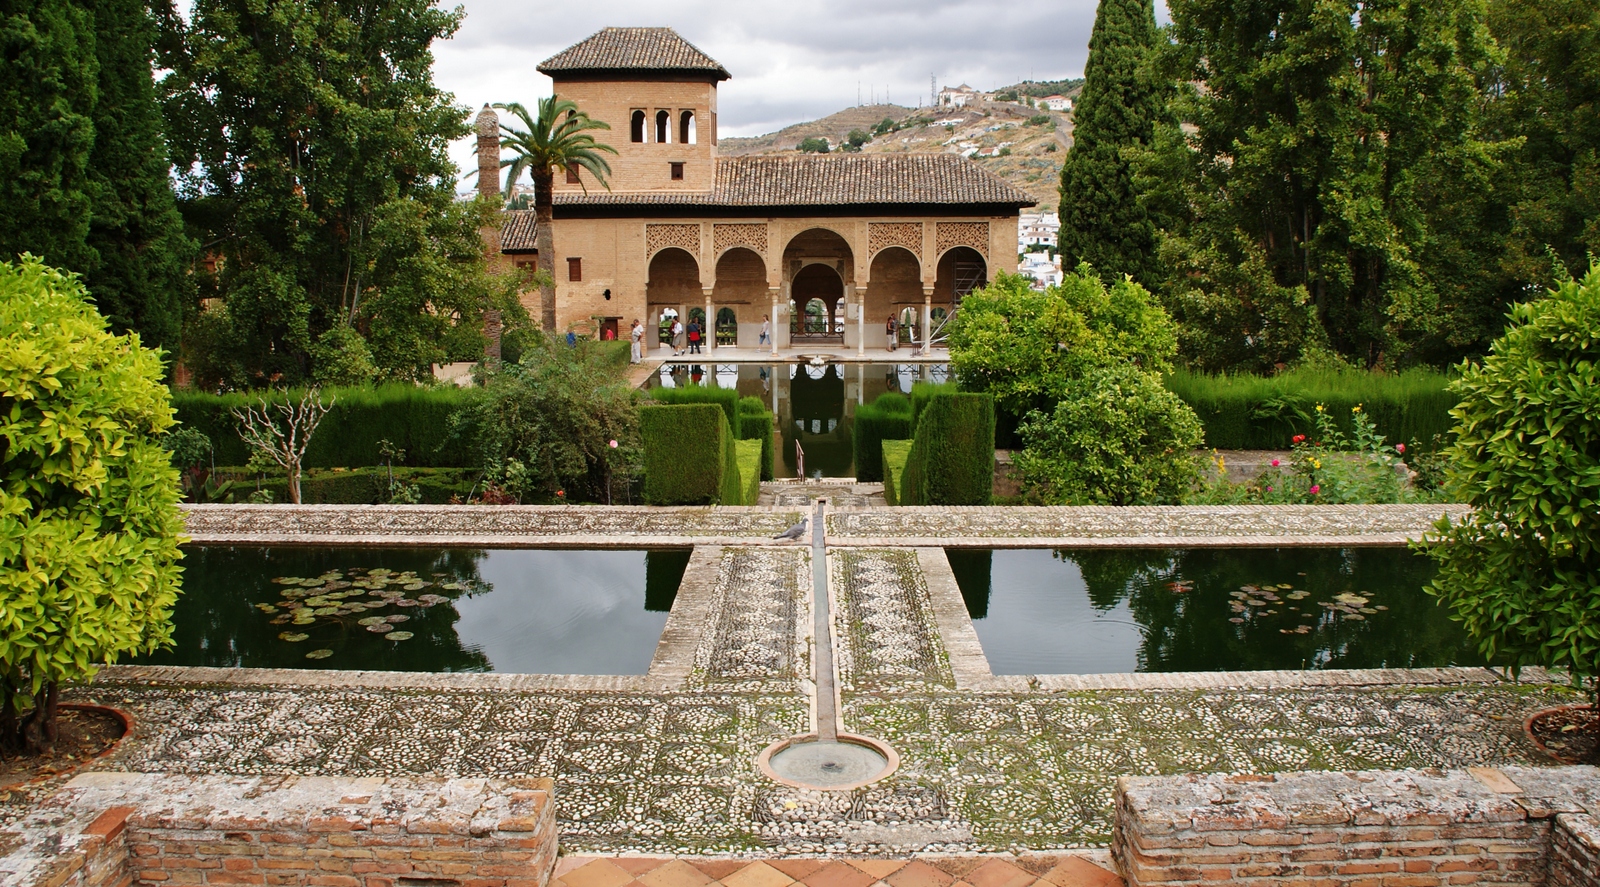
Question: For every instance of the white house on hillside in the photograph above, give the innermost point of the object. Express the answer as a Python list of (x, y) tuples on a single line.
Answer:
[(1037, 229), (960, 96), (1056, 102)]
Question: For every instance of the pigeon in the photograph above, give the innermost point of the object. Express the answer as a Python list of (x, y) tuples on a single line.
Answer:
[(795, 532)]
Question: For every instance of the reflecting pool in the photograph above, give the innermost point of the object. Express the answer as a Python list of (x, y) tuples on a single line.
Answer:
[(527, 611), (1039, 611), (814, 406)]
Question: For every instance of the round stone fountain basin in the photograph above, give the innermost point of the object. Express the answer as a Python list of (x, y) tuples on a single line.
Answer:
[(806, 762)]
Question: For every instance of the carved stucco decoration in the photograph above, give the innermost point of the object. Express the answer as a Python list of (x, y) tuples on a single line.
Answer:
[(972, 234), (684, 237), (882, 235), (725, 237)]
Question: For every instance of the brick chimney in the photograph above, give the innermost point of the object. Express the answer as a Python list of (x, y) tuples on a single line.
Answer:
[(488, 127)]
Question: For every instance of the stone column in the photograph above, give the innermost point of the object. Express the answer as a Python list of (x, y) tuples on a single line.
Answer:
[(774, 292), (861, 325), (711, 321), (927, 309)]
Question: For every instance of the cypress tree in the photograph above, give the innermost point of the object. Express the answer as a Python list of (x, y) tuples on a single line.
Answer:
[(1102, 222), (140, 280), (47, 90)]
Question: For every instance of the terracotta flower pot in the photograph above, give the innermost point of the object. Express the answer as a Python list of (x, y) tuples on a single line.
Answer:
[(1562, 755)]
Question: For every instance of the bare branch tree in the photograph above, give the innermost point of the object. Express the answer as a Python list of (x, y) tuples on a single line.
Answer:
[(281, 432)]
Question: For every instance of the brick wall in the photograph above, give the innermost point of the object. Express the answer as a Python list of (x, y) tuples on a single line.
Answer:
[(148, 829), (1409, 828)]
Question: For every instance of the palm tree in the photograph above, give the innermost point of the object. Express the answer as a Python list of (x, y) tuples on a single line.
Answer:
[(558, 139)]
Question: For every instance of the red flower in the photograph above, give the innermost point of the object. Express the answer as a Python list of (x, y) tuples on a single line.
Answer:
[(1400, 448), (1299, 438)]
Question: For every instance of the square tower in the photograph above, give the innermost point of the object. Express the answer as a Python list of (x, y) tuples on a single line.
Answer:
[(659, 95)]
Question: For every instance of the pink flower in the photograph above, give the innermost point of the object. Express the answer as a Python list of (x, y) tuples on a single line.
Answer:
[(1315, 489), (1269, 489), (1400, 448), (612, 444), (1274, 463)]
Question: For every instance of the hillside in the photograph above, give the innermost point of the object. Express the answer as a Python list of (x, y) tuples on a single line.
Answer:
[(997, 135)]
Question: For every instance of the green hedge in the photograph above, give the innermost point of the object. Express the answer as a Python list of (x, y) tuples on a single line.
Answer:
[(756, 423), (749, 459), (689, 457), (887, 418), (1243, 412), (726, 398), (952, 453), (358, 486), (414, 419), (895, 454), (922, 392)]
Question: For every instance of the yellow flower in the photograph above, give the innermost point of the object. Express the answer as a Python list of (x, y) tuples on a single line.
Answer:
[(1319, 407), (1316, 463), (1356, 408)]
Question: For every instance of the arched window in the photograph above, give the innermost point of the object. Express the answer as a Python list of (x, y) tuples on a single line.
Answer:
[(663, 127), (686, 128), (637, 126)]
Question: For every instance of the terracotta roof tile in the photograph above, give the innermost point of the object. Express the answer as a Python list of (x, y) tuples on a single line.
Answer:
[(830, 180), (517, 234), (634, 49)]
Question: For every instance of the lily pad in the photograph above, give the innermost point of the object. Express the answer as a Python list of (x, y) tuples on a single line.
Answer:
[(406, 602), (397, 618), (415, 586), (319, 654), (1236, 620), (399, 636), (380, 627), (371, 620), (293, 637)]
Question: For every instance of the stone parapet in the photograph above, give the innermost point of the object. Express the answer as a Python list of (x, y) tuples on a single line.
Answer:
[(1408, 828), (118, 829)]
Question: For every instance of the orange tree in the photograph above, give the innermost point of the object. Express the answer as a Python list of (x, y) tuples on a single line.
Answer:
[(89, 524)]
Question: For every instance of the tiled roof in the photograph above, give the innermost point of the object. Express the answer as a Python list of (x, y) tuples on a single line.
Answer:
[(830, 180), (516, 235), (634, 49)]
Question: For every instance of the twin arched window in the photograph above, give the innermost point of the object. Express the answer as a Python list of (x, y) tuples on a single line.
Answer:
[(663, 129)]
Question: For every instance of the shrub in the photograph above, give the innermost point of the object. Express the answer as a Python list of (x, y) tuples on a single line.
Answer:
[(357, 486), (1327, 468), (547, 426), (726, 398), (1116, 438), (887, 418), (89, 524), (952, 454), (1247, 412), (895, 455), (685, 453), (1522, 572), (749, 473), (756, 423), (922, 392)]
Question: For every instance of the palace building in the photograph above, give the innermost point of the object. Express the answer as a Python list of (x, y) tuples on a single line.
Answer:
[(827, 246)]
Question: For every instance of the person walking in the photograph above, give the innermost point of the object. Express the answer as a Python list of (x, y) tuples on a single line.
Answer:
[(766, 329), (892, 329), (694, 336), (636, 333), (677, 336)]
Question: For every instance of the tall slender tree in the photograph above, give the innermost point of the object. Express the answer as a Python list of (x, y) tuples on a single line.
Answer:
[(559, 138), (1102, 221)]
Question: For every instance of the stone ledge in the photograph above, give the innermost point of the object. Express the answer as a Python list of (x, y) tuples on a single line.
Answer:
[(1351, 828), (107, 829)]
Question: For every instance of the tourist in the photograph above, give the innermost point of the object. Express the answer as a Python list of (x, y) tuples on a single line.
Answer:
[(892, 329), (694, 336), (636, 355), (677, 336), (766, 329)]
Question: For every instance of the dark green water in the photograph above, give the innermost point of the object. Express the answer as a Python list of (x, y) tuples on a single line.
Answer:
[(527, 611), (1039, 611), (814, 406)]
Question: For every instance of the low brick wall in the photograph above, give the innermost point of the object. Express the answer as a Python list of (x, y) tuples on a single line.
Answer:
[(1408, 828), (116, 829)]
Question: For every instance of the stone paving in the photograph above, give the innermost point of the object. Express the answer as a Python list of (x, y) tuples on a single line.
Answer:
[(665, 764)]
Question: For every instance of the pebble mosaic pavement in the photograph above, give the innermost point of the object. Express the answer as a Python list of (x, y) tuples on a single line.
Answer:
[(671, 771)]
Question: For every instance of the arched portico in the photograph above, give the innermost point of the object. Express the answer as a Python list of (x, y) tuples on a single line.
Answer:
[(740, 296), (816, 297), (895, 284), (961, 270), (674, 283), (818, 263)]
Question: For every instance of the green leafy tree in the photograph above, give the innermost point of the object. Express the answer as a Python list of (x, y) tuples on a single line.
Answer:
[(855, 140), (314, 144), (1548, 86), (83, 161), (89, 524), (1522, 571), (812, 145), (1102, 221), (559, 138), (1025, 346), (1338, 187)]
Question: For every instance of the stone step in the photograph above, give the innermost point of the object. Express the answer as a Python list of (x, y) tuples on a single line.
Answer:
[(1028, 870)]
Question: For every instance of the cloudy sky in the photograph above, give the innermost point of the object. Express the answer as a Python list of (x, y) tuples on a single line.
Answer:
[(791, 60)]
